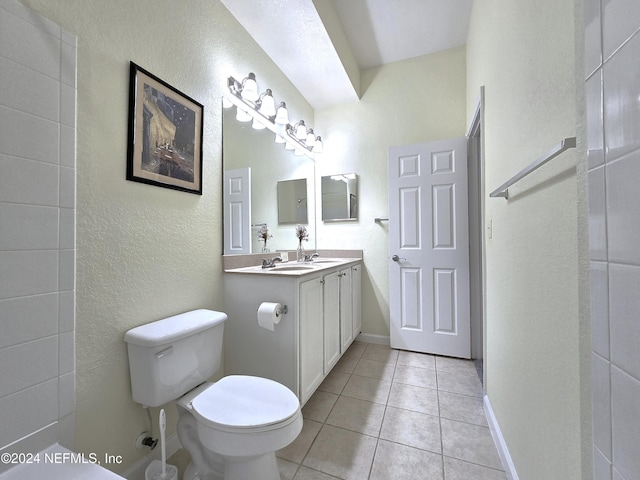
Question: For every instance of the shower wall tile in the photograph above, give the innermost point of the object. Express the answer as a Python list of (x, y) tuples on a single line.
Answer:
[(600, 308), (620, 20), (614, 236), (592, 36), (23, 135), (28, 318), (28, 364), (621, 106), (32, 182), (624, 305), (28, 227), (37, 217), (625, 411)]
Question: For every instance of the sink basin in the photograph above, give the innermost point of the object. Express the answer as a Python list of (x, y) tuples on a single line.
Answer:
[(292, 268)]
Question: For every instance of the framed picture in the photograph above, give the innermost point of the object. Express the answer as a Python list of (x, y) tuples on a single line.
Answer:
[(165, 134)]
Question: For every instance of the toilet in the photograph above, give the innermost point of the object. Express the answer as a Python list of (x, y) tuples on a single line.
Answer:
[(231, 428)]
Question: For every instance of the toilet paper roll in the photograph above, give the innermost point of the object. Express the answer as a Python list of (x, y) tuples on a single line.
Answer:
[(269, 315)]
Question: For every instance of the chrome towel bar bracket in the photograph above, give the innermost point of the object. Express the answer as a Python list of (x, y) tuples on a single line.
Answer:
[(503, 190)]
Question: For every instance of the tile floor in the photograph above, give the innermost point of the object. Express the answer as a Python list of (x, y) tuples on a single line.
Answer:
[(384, 414)]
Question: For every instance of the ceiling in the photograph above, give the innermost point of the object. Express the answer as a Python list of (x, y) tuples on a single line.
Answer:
[(322, 45)]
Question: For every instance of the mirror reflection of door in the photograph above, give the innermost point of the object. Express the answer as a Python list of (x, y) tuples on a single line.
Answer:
[(339, 197)]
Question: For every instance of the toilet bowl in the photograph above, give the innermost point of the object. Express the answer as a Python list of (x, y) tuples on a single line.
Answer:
[(231, 428), (240, 422)]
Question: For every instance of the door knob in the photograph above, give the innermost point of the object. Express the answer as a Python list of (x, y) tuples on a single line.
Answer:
[(396, 258)]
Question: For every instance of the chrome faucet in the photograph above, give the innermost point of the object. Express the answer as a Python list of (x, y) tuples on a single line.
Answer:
[(270, 263), (309, 258)]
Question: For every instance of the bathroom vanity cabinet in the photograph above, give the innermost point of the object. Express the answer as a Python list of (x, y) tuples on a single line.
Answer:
[(323, 318)]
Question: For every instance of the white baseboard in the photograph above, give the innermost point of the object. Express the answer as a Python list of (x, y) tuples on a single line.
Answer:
[(370, 338), (136, 471), (498, 439)]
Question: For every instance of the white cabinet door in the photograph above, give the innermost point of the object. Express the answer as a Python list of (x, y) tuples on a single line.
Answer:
[(356, 295), (346, 312), (311, 334), (331, 321)]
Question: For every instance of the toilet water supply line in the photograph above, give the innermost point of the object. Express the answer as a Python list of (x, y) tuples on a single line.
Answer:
[(149, 441)]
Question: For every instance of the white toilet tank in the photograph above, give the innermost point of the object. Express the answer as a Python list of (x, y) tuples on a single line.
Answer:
[(169, 357)]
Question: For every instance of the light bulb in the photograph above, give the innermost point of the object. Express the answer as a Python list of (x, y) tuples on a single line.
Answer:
[(282, 114), (250, 88)]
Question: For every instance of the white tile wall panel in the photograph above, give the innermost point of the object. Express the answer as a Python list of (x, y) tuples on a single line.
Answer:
[(66, 392), (601, 465), (621, 106), (68, 60), (625, 412), (67, 146), (592, 33), (67, 187), (28, 227), (623, 207), (28, 364), (66, 314), (601, 404), (67, 105), (27, 181), (28, 318), (600, 308), (28, 273), (67, 228), (66, 270), (595, 142), (25, 43), (29, 91), (597, 215), (26, 136), (621, 19), (624, 311), (67, 355), (28, 410)]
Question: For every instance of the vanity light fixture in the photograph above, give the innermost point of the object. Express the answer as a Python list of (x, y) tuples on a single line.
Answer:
[(261, 108)]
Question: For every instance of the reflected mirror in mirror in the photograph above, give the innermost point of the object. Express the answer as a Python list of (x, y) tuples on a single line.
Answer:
[(248, 149), (339, 197), (292, 201)]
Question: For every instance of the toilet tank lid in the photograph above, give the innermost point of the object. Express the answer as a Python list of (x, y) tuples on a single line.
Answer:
[(173, 328)]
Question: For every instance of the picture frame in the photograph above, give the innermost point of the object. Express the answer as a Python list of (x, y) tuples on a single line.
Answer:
[(165, 134)]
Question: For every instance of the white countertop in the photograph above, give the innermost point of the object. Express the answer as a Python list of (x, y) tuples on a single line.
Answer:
[(295, 269)]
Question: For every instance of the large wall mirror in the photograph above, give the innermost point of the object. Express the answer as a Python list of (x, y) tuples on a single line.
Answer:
[(274, 172), (339, 197)]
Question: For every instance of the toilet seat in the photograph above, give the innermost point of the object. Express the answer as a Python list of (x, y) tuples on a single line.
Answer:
[(246, 404)]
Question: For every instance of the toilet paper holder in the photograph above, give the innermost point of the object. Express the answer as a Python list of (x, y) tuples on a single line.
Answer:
[(283, 311)]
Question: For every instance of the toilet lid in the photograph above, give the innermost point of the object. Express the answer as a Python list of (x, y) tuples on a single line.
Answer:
[(239, 401)]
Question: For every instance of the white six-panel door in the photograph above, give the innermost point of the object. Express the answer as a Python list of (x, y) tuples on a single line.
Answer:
[(237, 210), (429, 248)]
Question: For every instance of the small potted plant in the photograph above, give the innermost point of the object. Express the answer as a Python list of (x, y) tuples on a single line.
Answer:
[(263, 235)]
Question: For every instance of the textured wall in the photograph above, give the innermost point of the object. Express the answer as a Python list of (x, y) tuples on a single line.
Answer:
[(524, 53), (144, 252), (406, 102)]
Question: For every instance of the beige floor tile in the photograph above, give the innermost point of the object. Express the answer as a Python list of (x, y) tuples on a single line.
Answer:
[(463, 408), (399, 462), (418, 377), (380, 353), (458, 470), (418, 399), (366, 388), (297, 449), (471, 443), (307, 474), (319, 405), (415, 359), (371, 368), (412, 428), (456, 365), (356, 349), (335, 382), (462, 384), (341, 453), (357, 415), (287, 469), (346, 364)]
